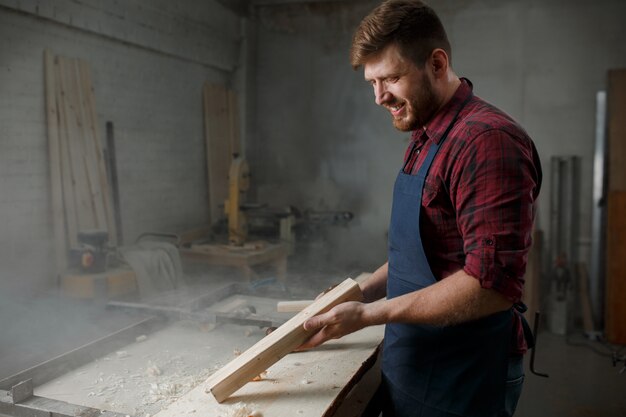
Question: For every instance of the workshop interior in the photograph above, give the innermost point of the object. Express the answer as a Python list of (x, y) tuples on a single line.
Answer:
[(182, 182)]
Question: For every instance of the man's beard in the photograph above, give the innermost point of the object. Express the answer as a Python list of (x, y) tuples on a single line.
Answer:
[(420, 108)]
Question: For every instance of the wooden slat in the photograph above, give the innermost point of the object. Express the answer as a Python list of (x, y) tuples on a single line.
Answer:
[(615, 312), (294, 306), (233, 117), (221, 140), (82, 197), (92, 118), (71, 219), (54, 153), (277, 344), (85, 190), (616, 99), (89, 161), (87, 133)]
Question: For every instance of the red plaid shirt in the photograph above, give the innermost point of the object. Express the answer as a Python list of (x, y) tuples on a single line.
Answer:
[(478, 202)]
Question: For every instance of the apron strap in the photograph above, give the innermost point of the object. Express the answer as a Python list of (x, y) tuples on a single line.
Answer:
[(520, 309)]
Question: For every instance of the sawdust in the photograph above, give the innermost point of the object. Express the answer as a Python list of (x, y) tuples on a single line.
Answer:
[(242, 410)]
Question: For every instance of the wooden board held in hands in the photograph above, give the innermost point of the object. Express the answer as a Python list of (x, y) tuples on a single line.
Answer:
[(277, 344)]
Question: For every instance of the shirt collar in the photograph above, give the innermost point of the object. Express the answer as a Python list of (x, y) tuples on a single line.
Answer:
[(436, 127)]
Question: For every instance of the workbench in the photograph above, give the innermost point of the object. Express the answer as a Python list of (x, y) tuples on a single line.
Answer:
[(336, 379), (112, 283), (241, 257), (164, 372)]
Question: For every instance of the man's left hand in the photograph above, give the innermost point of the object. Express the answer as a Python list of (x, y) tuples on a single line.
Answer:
[(339, 321)]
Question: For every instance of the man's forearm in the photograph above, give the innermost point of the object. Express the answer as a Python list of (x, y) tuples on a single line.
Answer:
[(456, 299), (375, 287)]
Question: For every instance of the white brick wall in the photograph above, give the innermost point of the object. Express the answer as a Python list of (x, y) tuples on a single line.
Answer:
[(149, 60)]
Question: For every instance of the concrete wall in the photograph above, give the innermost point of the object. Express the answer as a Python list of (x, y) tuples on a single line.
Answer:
[(149, 61), (322, 142)]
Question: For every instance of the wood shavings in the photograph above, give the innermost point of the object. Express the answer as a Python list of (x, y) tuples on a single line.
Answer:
[(260, 377), (236, 352), (153, 370), (243, 410), (207, 327)]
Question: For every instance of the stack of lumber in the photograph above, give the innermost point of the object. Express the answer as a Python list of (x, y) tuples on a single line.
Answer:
[(221, 135), (615, 312), (80, 190)]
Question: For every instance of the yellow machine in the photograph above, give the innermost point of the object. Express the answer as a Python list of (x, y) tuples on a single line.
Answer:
[(238, 184)]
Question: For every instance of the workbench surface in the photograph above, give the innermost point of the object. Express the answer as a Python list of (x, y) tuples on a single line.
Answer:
[(165, 374), (307, 384)]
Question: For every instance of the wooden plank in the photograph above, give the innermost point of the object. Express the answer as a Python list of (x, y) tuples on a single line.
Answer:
[(71, 219), (83, 204), (277, 344), (616, 101), (84, 181), (615, 312), (233, 117), (207, 134), (294, 306), (314, 383), (54, 153), (89, 162), (218, 146), (92, 118)]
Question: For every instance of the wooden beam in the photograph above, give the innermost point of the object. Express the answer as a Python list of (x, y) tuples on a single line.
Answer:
[(69, 201), (54, 152), (615, 314), (294, 306), (615, 311), (277, 344)]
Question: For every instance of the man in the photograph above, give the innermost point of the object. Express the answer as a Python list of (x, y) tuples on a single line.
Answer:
[(462, 214)]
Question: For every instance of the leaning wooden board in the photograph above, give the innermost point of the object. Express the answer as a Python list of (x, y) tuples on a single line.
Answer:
[(279, 343), (302, 384)]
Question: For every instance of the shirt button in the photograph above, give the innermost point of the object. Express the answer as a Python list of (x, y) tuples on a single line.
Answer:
[(489, 242)]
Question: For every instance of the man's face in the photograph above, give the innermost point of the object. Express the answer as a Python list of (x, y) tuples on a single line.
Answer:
[(402, 88)]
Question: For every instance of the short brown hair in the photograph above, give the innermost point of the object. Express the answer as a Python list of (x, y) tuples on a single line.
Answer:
[(411, 24)]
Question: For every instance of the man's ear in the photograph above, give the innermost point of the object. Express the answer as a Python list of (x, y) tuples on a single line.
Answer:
[(438, 63)]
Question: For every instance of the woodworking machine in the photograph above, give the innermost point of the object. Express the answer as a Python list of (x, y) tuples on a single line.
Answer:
[(238, 184)]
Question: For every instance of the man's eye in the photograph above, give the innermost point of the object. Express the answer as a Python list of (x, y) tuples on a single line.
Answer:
[(393, 80)]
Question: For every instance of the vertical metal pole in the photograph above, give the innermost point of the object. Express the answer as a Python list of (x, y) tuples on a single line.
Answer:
[(598, 226), (572, 210), (114, 183), (555, 209)]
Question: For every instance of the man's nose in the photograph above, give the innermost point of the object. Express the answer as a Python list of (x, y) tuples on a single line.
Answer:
[(382, 95)]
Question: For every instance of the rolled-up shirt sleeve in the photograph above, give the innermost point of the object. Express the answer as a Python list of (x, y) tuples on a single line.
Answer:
[(497, 184)]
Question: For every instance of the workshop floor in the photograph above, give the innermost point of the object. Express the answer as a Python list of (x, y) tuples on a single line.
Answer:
[(582, 380)]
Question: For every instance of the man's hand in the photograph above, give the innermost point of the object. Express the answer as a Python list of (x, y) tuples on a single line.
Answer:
[(339, 321)]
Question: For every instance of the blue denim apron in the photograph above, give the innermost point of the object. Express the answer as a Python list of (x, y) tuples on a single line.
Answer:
[(433, 371)]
